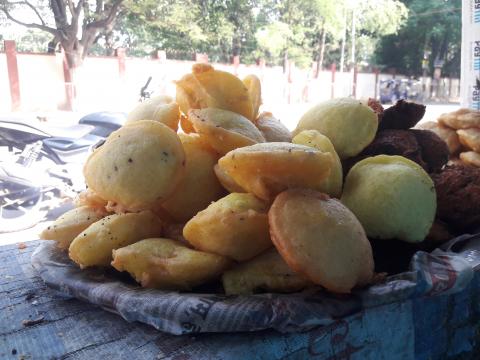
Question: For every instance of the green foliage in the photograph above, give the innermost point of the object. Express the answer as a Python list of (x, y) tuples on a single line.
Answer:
[(433, 30)]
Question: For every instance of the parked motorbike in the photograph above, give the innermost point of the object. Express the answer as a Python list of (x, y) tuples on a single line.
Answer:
[(42, 164)]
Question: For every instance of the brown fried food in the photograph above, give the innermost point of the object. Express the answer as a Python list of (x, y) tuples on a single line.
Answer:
[(321, 238), (69, 225), (458, 196), (403, 115), (471, 158), (224, 130), (139, 165), (272, 129), (267, 272), (235, 226), (167, 264), (445, 133), (434, 150), (226, 180), (421, 146), (461, 119), (199, 186), (470, 138), (267, 169), (93, 247)]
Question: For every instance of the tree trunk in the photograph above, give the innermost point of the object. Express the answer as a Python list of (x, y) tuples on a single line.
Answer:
[(236, 45), (321, 51), (109, 50), (344, 38)]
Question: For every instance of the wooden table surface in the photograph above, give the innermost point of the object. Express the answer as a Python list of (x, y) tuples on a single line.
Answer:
[(38, 323)]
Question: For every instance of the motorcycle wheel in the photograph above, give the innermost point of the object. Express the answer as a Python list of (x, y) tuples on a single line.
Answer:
[(21, 207)]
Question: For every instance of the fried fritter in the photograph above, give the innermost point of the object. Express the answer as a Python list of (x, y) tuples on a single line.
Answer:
[(267, 272), (458, 196), (421, 146), (93, 247), (322, 239), (272, 129), (447, 134), (403, 115), (236, 226), (69, 225), (267, 169), (168, 264)]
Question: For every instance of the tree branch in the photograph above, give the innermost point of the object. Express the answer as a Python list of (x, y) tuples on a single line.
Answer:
[(30, 6), (71, 7), (29, 25), (108, 20)]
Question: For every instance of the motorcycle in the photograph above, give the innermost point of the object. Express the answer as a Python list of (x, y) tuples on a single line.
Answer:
[(40, 165)]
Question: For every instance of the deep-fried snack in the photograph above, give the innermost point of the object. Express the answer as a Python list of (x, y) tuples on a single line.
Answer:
[(272, 129), (333, 184), (445, 133), (139, 164), (93, 247), (393, 197), (206, 87), (175, 232), (161, 108), (458, 197), (403, 115), (89, 198), (226, 180), (434, 150), (376, 106), (470, 138), (269, 168), (470, 158), (168, 264), (422, 146), (348, 123), (320, 238), (461, 119), (224, 130), (199, 186), (70, 224), (267, 272), (235, 226), (254, 86)]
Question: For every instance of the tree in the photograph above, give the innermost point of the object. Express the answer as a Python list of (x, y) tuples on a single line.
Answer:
[(74, 26), (431, 36)]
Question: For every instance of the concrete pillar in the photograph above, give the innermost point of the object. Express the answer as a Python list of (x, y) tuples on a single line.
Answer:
[(12, 67)]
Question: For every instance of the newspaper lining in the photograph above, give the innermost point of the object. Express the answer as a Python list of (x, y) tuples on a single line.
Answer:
[(438, 273)]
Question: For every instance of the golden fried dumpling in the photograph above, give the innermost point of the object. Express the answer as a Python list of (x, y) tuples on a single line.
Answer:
[(269, 168), (206, 87), (226, 180), (268, 271), (139, 165), (224, 130), (470, 138), (161, 108), (461, 119), (93, 247), (333, 184), (348, 123), (168, 264), (393, 197), (235, 226), (199, 186), (471, 158), (272, 129), (254, 87), (70, 224), (320, 238)]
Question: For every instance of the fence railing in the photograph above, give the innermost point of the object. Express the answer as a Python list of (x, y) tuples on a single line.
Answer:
[(40, 82)]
